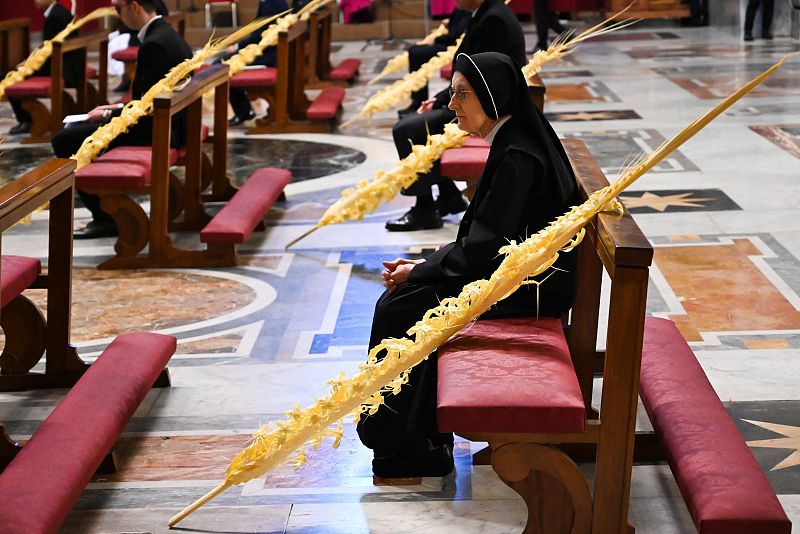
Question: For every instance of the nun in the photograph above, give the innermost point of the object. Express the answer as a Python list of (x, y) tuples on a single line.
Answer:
[(527, 183)]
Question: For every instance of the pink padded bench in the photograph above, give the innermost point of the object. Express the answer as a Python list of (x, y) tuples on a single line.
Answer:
[(446, 72), (347, 70), (327, 105), (127, 55), (17, 273), (40, 486), (509, 375), (24, 324), (465, 163), (250, 79), (723, 486), (245, 211)]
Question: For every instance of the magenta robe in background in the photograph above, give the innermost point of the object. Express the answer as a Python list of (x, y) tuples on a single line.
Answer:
[(352, 6)]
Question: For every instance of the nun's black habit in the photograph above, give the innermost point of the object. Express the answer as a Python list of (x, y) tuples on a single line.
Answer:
[(526, 184)]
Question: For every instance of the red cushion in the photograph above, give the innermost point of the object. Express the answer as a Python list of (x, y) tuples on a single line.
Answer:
[(446, 72), (326, 105), (126, 55), (476, 142), (141, 155), (117, 175), (346, 70), (723, 486), (509, 375), (265, 77), (235, 222), (463, 162), (40, 486), (91, 72), (34, 87), (17, 273)]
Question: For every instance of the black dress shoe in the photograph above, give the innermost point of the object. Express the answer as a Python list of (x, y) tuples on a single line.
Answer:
[(451, 204), (21, 128), (766, 35), (415, 219), (95, 230), (437, 462), (748, 37), (237, 120)]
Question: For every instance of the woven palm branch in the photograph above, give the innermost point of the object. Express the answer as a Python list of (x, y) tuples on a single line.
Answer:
[(136, 109), (399, 63), (363, 393), (38, 57)]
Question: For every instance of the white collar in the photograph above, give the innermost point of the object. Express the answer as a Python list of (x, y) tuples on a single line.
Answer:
[(143, 31), (490, 136), (48, 10)]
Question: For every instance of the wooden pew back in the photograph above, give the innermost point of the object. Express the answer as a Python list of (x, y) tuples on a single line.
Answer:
[(15, 44), (319, 45)]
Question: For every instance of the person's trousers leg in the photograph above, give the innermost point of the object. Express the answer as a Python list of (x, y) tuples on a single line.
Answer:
[(418, 55), (20, 113), (240, 103), (542, 21), (766, 17), (414, 129), (750, 15)]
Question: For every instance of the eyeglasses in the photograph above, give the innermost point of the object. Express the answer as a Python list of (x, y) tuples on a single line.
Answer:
[(118, 6), (460, 94)]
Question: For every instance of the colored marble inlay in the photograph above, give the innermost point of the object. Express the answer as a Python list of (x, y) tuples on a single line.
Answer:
[(579, 92), (670, 200), (721, 81), (722, 290), (587, 116), (785, 136), (638, 36), (109, 303)]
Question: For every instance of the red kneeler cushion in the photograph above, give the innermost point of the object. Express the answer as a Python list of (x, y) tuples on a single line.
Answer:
[(267, 76), (463, 162), (702, 442), (17, 273), (509, 375), (126, 55), (326, 105)]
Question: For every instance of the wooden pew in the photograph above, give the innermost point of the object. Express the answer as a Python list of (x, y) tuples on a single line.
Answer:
[(46, 122), (530, 460), (131, 171), (290, 110), (320, 73), (14, 43)]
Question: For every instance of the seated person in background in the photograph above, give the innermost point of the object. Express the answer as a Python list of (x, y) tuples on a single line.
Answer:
[(56, 18), (419, 54), (545, 20), (356, 11), (527, 183), (242, 109), (493, 28), (162, 10), (162, 49)]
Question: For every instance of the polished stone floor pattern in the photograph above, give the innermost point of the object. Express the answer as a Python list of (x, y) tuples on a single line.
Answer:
[(723, 214)]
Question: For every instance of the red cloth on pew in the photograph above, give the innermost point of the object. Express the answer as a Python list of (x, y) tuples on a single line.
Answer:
[(446, 72), (36, 86), (91, 72), (17, 273), (267, 76), (242, 213), (346, 70), (326, 105), (463, 162), (509, 375), (723, 486), (40, 486), (126, 55), (117, 175), (141, 155)]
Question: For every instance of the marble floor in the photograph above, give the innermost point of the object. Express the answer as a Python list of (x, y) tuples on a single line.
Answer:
[(723, 214)]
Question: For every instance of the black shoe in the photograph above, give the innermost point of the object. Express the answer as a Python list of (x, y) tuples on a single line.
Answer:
[(21, 128), (237, 120), (748, 37), (767, 35), (451, 204), (96, 229), (410, 110), (437, 462), (415, 219)]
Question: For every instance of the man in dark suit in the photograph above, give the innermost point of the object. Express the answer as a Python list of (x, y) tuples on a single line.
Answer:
[(493, 28), (242, 109), (421, 53), (56, 18), (162, 48)]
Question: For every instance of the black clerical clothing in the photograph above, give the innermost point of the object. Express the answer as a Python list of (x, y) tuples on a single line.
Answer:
[(162, 49), (493, 28), (56, 20), (518, 194)]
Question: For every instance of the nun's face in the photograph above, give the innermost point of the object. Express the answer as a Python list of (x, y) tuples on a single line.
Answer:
[(464, 101)]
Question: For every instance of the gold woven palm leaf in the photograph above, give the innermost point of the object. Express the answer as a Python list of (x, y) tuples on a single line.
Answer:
[(273, 445), (399, 63), (38, 57)]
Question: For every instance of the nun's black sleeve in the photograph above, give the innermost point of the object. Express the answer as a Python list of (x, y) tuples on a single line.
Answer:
[(498, 219)]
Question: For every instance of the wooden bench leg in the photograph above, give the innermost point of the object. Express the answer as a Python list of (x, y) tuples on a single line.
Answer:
[(26, 336), (132, 223), (552, 486), (40, 121), (109, 464)]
